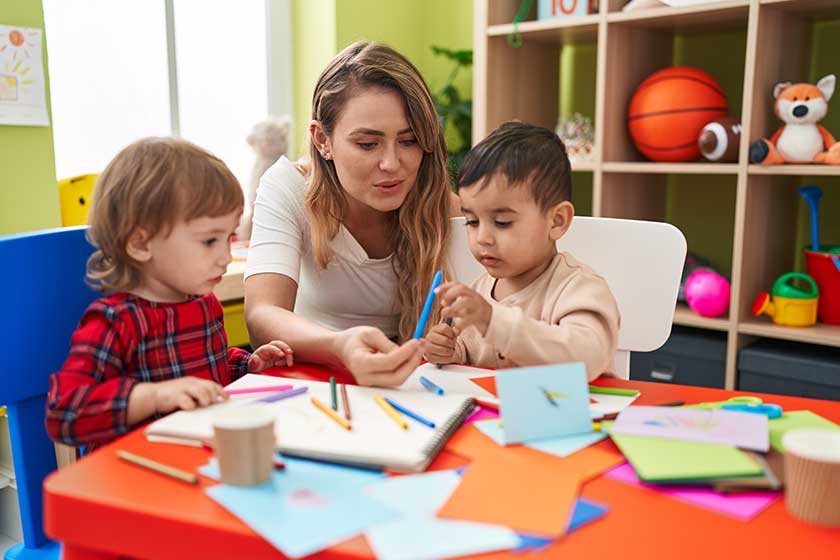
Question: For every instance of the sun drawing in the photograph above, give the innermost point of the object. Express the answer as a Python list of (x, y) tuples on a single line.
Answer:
[(14, 51)]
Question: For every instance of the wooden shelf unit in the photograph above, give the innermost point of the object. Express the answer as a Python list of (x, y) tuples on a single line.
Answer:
[(523, 83)]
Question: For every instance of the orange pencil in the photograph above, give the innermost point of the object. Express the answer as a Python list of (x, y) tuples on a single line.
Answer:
[(331, 413)]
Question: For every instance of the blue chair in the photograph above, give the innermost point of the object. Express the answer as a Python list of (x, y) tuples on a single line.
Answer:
[(44, 297)]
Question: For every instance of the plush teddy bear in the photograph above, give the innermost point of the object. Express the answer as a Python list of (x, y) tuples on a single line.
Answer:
[(270, 140), (801, 140)]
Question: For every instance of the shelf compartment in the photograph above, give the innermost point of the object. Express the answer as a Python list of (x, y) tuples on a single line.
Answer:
[(670, 168), (683, 315), (583, 29), (502, 12), (828, 335), (653, 50), (721, 15)]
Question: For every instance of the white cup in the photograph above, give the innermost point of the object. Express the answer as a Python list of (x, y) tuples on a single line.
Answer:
[(244, 445)]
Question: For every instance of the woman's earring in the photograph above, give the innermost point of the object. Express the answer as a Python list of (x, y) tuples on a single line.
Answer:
[(326, 155)]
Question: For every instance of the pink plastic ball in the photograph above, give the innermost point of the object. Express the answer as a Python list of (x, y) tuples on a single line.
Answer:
[(707, 293)]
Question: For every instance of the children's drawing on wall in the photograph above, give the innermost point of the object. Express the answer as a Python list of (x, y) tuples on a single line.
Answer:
[(22, 92)]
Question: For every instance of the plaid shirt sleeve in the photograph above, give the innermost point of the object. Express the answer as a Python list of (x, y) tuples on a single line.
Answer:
[(237, 362), (88, 398)]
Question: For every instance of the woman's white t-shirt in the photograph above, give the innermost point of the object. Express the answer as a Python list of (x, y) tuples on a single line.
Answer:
[(353, 290)]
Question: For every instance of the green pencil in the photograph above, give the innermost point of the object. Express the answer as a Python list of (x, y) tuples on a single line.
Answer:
[(613, 391), (333, 399)]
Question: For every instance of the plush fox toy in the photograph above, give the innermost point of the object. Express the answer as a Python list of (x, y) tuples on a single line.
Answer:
[(801, 140)]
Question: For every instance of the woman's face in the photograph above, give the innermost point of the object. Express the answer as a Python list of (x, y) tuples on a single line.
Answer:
[(375, 152)]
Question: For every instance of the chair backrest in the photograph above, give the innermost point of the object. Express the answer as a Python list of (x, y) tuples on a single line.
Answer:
[(44, 298), (641, 261)]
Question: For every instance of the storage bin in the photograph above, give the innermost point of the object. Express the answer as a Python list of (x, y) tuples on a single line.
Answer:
[(790, 368), (689, 357)]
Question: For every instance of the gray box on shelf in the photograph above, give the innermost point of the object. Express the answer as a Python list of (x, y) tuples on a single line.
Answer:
[(689, 357), (790, 368)]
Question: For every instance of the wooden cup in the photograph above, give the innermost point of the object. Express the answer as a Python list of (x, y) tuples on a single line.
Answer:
[(812, 475), (244, 445)]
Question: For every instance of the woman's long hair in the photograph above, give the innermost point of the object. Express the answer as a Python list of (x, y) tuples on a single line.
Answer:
[(421, 225)]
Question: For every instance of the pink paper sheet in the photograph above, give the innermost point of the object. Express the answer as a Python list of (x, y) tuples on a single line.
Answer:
[(740, 505), (481, 414)]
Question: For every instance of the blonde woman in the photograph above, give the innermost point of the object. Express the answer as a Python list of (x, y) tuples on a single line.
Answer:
[(346, 242)]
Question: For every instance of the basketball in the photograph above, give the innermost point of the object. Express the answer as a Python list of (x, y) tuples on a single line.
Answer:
[(670, 108)]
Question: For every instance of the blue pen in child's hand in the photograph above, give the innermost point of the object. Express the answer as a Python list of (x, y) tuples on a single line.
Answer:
[(430, 385), (427, 307)]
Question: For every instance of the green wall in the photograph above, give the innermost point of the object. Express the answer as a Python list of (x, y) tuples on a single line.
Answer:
[(28, 188), (323, 27)]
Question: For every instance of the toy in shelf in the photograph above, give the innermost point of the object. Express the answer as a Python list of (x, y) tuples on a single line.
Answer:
[(719, 140), (822, 261), (788, 304), (707, 293), (553, 9), (578, 135), (670, 108), (647, 4), (801, 140)]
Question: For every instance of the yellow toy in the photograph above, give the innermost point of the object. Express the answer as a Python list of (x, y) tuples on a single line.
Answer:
[(74, 195), (789, 305)]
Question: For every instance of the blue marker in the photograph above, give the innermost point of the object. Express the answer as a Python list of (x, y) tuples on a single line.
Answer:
[(430, 385), (410, 414), (427, 307)]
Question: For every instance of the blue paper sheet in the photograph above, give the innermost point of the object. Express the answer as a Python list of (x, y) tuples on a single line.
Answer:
[(305, 508), (420, 538), (419, 535), (544, 401), (584, 512), (560, 446)]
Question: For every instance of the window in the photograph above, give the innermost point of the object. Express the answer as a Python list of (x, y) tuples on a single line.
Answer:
[(110, 63)]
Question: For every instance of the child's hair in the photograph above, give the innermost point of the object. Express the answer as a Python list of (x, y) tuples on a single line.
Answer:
[(150, 185), (522, 153)]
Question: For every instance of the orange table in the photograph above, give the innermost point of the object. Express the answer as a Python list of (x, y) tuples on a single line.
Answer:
[(102, 508)]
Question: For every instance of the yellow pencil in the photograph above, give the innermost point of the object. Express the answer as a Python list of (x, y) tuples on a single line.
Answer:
[(331, 413), (183, 476), (389, 410)]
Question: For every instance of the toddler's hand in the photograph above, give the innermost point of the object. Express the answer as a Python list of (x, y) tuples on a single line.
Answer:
[(465, 306), (440, 344), (186, 393), (275, 353)]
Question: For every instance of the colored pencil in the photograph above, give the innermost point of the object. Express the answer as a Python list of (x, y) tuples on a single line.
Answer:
[(333, 399), (249, 390), (427, 307), (345, 401), (331, 413), (613, 391), (172, 472), (389, 410), (409, 413), (431, 385), (487, 404), (280, 396)]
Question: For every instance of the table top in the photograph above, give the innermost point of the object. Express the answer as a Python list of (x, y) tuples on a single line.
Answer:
[(101, 504)]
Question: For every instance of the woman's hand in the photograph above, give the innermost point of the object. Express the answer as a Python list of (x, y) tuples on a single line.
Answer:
[(275, 353), (465, 306), (373, 359)]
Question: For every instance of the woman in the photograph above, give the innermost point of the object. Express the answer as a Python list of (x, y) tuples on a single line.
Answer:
[(345, 245)]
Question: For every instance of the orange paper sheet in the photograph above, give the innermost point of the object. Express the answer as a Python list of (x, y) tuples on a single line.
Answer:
[(520, 487), (515, 492), (487, 383)]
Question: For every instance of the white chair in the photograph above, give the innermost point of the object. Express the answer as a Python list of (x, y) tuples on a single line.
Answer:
[(641, 261)]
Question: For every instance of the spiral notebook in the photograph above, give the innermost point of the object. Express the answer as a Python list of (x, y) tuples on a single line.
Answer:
[(302, 430)]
